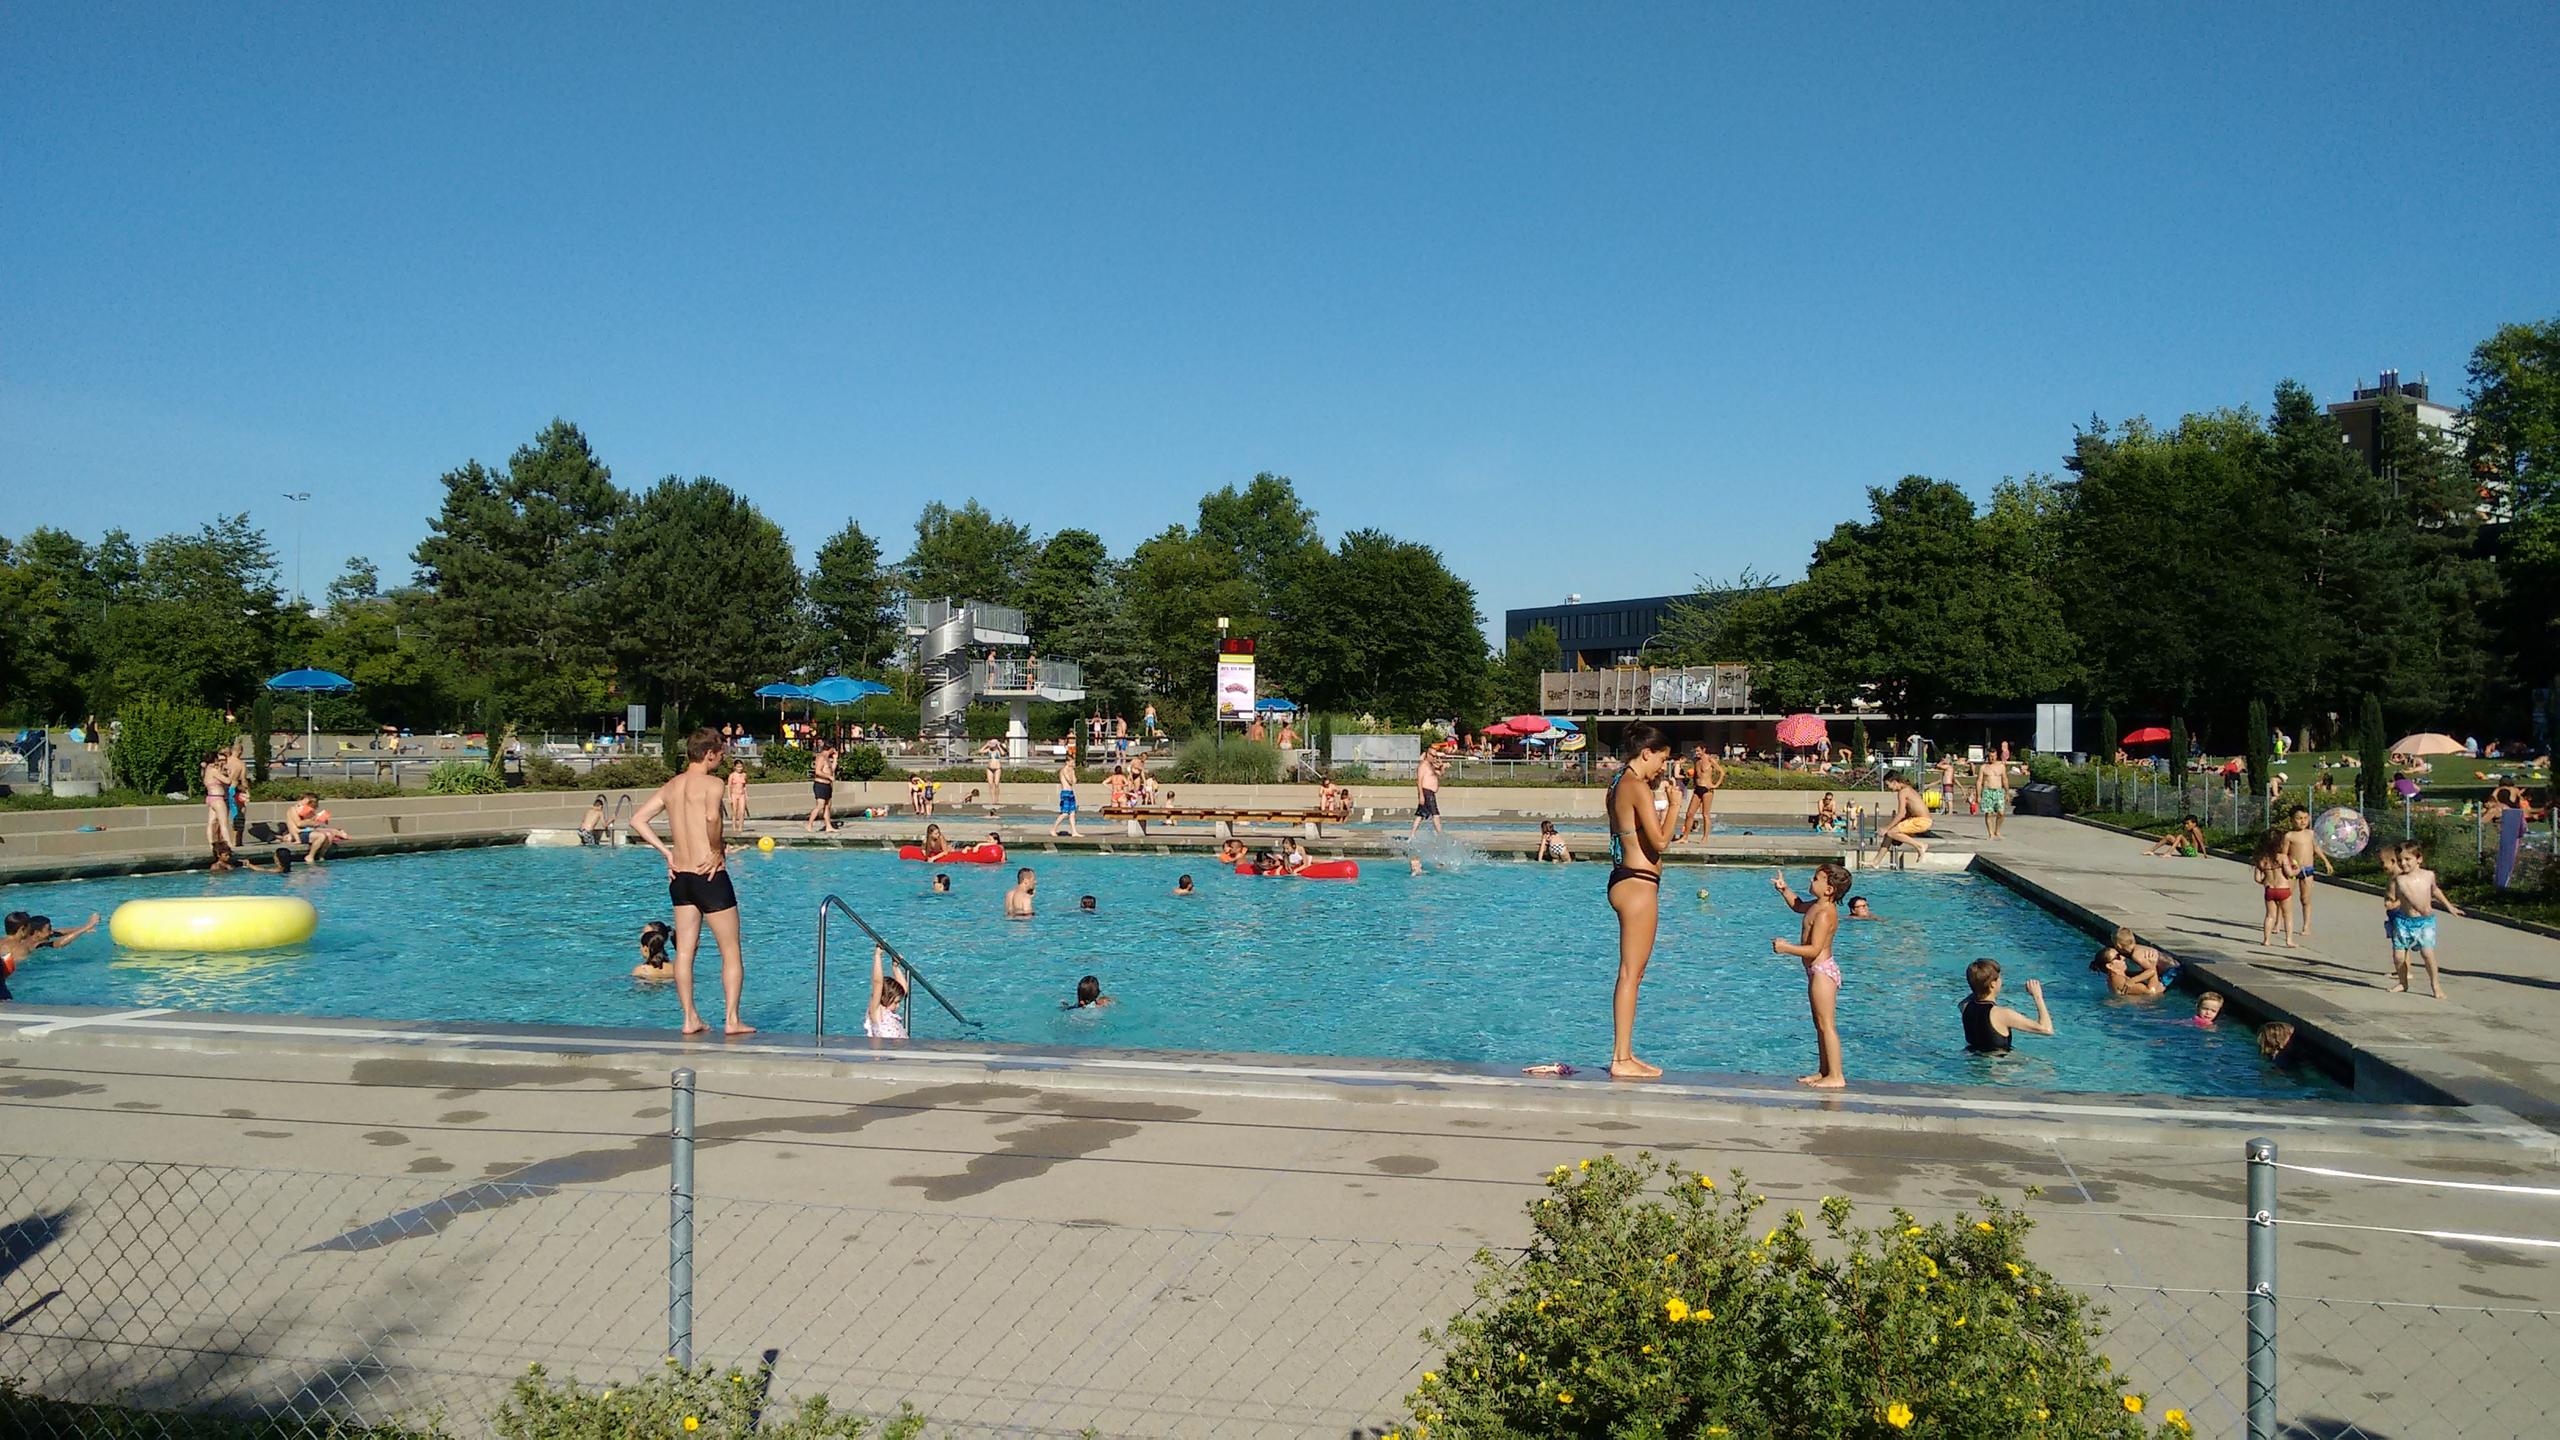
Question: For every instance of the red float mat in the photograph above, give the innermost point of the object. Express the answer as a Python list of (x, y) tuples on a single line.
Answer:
[(975, 855), (1316, 870)]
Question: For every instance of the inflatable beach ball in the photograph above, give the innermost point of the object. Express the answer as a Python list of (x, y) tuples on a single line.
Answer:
[(1933, 799), (765, 843), (2342, 833)]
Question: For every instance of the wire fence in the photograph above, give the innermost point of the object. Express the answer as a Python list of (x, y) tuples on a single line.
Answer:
[(320, 1300)]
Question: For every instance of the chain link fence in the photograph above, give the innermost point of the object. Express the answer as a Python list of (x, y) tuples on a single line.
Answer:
[(319, 1300)]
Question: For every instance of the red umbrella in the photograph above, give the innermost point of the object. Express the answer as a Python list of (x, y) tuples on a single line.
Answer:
[(2148, 735), (1802, 731), (1501, 729), (1526, 724)]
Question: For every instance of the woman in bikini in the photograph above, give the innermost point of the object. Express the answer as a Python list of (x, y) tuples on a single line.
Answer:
[(1821, 973), (1637, 827)]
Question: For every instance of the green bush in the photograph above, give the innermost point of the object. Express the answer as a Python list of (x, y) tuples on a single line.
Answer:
[(1681, 1315), (541, 772), (706, 1403), (463, 777), (2078, 784), (633, 772), (24, 1414), (325, 789), (1202, 760), (161, 747), (786, 762), (862, 762)]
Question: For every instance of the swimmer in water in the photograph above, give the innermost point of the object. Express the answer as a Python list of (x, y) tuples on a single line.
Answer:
[(2208, 1009), (657, 962), (1293, 856), (1988, 1025), (1821, 973), (888, 991), (1232, 852), (226, 860), (1859, 909), (1089, 995), (26, 934), (1183, 886), (1638, 829), (1416, 862), (1017, 901), (941, 884), (1088, 905), (1551, 844), (935, 846)]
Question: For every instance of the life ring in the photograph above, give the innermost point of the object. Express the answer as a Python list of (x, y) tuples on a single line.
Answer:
[(1315, 870), (214, 922), (978, 854)]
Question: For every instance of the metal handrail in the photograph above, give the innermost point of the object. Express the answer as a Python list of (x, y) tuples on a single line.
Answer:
[(837, 902)]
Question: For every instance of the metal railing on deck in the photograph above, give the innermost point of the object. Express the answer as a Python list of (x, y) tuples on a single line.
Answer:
[(837, 902)]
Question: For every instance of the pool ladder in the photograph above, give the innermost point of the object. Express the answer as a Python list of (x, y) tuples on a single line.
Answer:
[(906, 1006)]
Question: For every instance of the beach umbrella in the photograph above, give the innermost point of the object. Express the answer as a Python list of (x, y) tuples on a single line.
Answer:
[(2148, 735), (1566, 726), (307, 683), (839, 690), (1802, 731), (2426, 743), (1501, 730), (782, 690), (1527, 724)]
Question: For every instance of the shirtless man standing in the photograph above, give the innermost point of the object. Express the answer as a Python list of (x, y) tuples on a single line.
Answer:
[(1991, 792), (822, 790), (1066, 798), (2303, 855), (1706, 772), (698, 875)]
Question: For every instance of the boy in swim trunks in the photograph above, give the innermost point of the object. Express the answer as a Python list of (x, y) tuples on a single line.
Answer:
[(1910, 820), (2413, 896), (698, 875), (1637, 833), (1991, 793), (1066, 799), (1821, 973), (1706, 773), (822, 790), (2303, 855)]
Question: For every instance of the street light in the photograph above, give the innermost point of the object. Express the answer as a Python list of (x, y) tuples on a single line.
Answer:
[(299, 497)]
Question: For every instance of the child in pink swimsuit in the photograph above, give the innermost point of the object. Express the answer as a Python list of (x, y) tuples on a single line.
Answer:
[(1821, 973)]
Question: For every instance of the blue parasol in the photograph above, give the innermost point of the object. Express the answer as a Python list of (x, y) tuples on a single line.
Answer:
[(782, 690), (837, 690), (308, 683), (1278, 706)]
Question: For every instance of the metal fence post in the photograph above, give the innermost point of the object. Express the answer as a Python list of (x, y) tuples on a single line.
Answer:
[(2262, 1289), (680, 1225)]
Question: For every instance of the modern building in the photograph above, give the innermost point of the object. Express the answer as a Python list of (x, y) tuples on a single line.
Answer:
[(2358, 419), (1599, 633)]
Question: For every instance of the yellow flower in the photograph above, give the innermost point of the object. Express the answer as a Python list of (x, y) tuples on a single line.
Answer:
[(1929, 1266), (1542, 1305), (1702, 1314), (1564, 1397), (1718, 1430), (1557, 1174), (1705, 1184), (2035, 1290), (1430, 1375), (2177, 1420), (1586, 1164), (1898, 1415), (608, 1394), (692, 1422), (2016, 1273), (2133, 1404), (1982, 1225), (1676, 1308), (1771, 1237), (1959, 1322), (2044, 1414), (1671, 1259), (1648, 1349), (1915, 1230)]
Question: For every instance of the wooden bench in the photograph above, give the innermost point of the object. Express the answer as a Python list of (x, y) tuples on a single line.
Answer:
[(1135, 817)]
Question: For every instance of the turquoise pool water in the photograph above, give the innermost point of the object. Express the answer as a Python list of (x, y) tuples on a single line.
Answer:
[(1499, 961)]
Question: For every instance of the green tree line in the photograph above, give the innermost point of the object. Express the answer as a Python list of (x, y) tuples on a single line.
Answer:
[(546, 595), (2240, 558)]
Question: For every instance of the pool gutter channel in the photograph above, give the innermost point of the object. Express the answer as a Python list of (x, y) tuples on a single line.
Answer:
[(1686, 1098)]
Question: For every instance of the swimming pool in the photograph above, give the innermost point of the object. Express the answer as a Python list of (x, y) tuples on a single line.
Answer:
[(1499, 962)]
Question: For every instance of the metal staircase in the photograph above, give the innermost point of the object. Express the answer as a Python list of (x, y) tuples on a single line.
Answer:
[(967, 650)]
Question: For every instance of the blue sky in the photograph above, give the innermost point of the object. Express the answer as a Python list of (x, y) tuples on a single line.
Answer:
[(1594, 299)]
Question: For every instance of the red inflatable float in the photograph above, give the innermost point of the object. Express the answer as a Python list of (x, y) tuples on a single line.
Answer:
[(979, 854), (1315, 870)]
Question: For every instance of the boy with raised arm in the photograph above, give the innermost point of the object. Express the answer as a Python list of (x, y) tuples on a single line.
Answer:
[(698, 875), (1989, 1024)]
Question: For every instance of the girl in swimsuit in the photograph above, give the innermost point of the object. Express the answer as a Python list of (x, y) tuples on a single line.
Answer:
[(888, 992), (1821, 973), (2275, 877), (1637, 826)]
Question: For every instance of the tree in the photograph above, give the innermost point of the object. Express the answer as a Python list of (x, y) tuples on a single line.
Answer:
[(1412, 641), (853, 601), (52, 605), (2178, 756), (1175, 588), (1525, 660), (2514, 407), (359, 581), (967, 554), (2373, 755), (1281, 558), (2257, 746), (517, 564), (402, 676), (1064, 584), (200, 623), (2109, 737), (705, 594)]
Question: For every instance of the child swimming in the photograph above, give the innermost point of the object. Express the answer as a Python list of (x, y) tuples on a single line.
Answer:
[(22, 935), (1089, 995), (1988, 1025), (942, 884), (656, 960), (1821, 972), (1183, 886), (2208, 1009), (888, 992)]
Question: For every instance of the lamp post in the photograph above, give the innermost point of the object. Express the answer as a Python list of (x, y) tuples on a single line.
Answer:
[(1217, 699), (300, 498)]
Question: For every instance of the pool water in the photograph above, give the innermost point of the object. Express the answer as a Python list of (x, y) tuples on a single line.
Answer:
[(1497, 961)]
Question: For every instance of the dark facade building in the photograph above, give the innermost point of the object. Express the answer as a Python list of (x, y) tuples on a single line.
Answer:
[(2359, 418), (1596, 634)]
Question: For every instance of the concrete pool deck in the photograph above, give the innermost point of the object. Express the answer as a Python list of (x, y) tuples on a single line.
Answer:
[(1036, 1241)]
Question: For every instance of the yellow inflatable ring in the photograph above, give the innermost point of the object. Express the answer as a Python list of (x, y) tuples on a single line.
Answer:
[(224, 922)]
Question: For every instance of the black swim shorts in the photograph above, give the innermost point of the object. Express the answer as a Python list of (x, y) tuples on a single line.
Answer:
[(1429, 807), (823, 789), (709, 894)]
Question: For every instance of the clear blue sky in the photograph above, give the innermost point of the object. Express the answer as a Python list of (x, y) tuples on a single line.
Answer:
[(1594, 298)]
